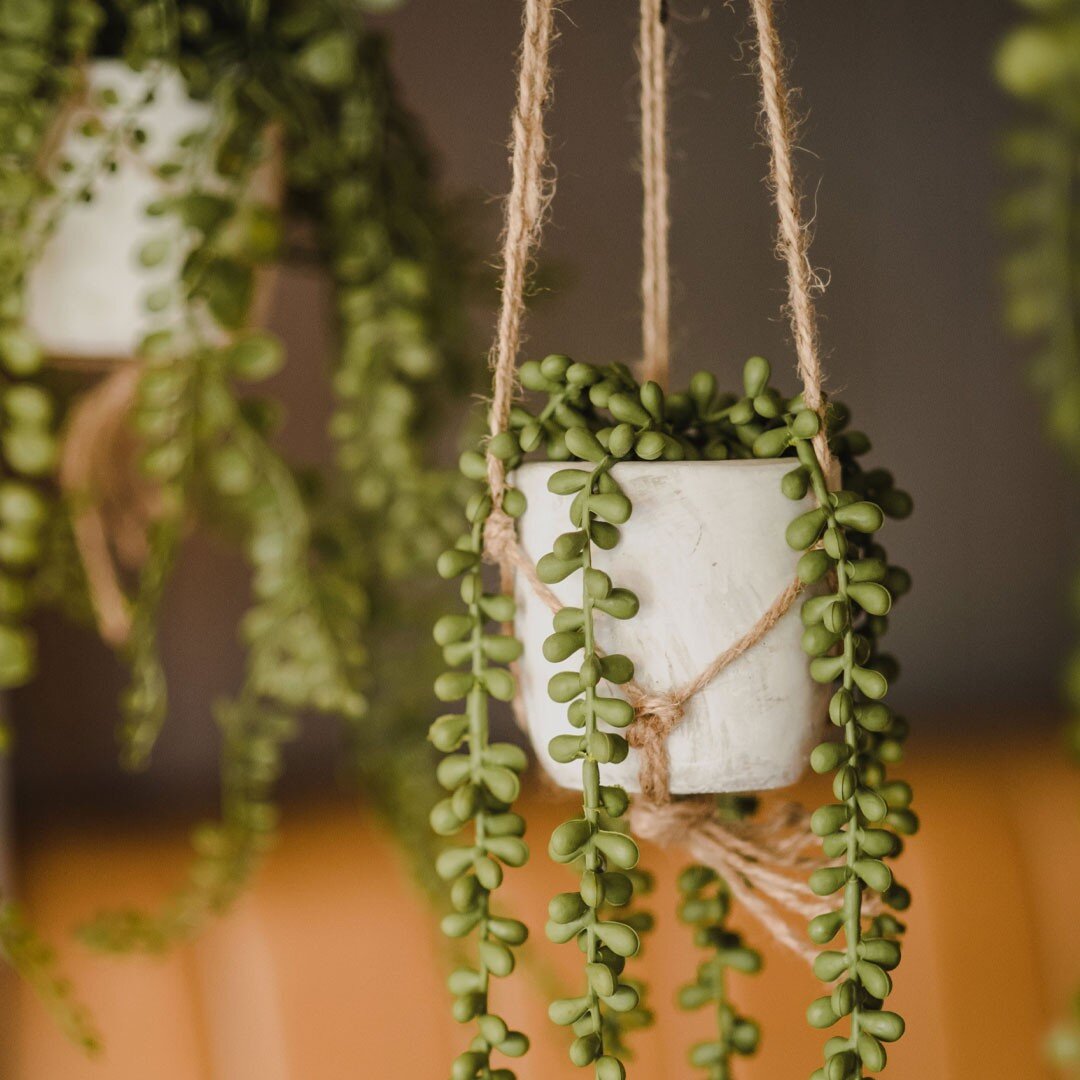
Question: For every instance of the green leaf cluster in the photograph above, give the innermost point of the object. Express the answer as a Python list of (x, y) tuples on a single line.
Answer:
[(483, 780)]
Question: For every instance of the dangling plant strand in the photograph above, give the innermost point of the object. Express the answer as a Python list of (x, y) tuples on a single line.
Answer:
[(484, 784), (35, 962), (618, 1026), (399, 285), (598, 509), (39, 50), (862, 827), (40, 45), (302, 654), (705, 906)]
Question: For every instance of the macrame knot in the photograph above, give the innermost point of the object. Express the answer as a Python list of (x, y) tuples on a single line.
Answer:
[(658, 715)]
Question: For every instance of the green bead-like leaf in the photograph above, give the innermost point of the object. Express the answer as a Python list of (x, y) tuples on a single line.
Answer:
[(828, 879), (618, 848), (613, 507), (560, 646), (756, 374), (570, 837), (565, 686), (813, 566), (823, 928), (805, 529), (772, 443), (567, 481), (614, 711), (821, 1013), (566, 748), (865, 517), (551, 569), (619, 938), (871, 597), (871, 683), (886, 1026), (617, 669)]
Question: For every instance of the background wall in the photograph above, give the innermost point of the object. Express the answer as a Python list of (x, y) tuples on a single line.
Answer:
[(899, 156)]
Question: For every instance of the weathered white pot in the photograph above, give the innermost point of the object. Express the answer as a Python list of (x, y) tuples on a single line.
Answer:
[(86, 294), (705, 553)]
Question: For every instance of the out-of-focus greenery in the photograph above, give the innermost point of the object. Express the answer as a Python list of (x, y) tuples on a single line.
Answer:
[(303, 89), (1038, 62)]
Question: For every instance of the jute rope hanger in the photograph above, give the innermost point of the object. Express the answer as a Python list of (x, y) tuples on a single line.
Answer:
[(758, 859)]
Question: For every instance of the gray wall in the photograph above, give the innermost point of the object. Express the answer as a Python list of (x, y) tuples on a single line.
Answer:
[(902, 123), (899, 156)]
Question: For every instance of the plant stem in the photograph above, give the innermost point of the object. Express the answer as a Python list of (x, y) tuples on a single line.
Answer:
[(590, 769)]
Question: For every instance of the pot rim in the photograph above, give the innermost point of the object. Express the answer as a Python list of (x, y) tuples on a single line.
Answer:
[(785, 463)]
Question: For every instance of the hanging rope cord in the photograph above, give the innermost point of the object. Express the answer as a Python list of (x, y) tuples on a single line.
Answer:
[(655, 217), (760, 860)]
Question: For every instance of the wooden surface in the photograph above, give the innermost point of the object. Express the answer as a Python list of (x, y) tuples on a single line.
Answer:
[(331, 970)]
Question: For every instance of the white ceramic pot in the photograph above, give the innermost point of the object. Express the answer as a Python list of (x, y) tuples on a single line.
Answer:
[(706, 555), (86, 294)]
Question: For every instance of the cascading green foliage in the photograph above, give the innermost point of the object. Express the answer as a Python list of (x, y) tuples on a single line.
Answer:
[(600, 416), (706, 905), (39, 50), (1038, 62), (484, 784), (305, 90)]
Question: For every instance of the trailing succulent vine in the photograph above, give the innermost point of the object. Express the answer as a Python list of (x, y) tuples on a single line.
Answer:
[(300, 97), (600, 416), (484, 784), (706, 905)]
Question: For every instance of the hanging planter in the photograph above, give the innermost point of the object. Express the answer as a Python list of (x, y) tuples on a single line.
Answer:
[(681, 569), (707, 551), (90, 293)]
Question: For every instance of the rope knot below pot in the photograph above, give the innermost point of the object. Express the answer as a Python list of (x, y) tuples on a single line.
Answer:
[(657, 716)]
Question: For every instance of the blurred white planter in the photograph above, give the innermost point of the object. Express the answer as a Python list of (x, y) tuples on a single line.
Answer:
[(706, 555), (86, 294)]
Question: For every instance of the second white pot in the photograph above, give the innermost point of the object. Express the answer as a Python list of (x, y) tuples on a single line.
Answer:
[(705, 553), (86, 294)]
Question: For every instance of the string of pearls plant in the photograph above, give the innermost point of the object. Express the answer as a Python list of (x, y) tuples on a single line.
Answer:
[(706, 905), (304, 89), (593, 418)]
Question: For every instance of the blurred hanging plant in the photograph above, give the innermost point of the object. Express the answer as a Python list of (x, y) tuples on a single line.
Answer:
[(1038, 62), (303, 122)]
